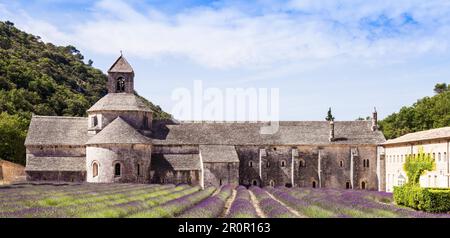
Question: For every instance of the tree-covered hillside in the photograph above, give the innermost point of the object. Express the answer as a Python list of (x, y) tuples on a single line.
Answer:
[(427, 113), (44, 79)]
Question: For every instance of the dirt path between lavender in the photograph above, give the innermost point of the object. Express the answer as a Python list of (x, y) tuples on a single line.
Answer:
[(255, 204), (289, 208), (230, 201)]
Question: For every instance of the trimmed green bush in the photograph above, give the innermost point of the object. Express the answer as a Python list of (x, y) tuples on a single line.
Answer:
[(424, 199)]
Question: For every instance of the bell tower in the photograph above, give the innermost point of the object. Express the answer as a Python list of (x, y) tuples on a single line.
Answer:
[(121, 77)]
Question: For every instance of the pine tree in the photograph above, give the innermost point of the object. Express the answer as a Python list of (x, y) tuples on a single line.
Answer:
[(330, 116)]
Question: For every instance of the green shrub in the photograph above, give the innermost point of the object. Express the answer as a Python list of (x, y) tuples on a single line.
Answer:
[(424, 199)]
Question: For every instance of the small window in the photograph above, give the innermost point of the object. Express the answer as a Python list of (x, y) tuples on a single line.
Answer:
[(250, 164), (255, 182), (302, 163), (347, 185), (145, 122), (363, 185), (120, 87), (439, 157), (367, 163), (117, 170), (268, 164), (283, 163), (314, 184), (94, 170), (220, 182), (94, 121), (138, 169), (272, 183), (341, 164)]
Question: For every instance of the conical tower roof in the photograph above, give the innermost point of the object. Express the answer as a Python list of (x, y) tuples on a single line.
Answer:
[(121, 66), (118, 132)]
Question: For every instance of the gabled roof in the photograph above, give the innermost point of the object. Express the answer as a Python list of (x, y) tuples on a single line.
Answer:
[(120, 102), (177, 162), (56, 130), (121, 66), (218, 153), (433, 134), (289, 133), (118, 132)]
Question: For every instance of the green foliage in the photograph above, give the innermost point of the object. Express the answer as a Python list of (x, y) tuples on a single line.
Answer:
[(330, 116), (416, 165), (41, 78), (427, 113), (441, 87), (13, 130), (425, 199)]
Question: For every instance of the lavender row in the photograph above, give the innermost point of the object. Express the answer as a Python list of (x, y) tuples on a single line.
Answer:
[(242, 206), (176, 206), (211, 207), (270, 207)]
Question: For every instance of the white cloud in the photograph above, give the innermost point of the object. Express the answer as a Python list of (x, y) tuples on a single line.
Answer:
[(229, 37)]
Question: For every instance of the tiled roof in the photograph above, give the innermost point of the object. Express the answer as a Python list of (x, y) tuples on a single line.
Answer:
[(56, 164), (120, 102), (118, 132), (439, 133), (121, 65), (54, 130), (289, 133), (218, 153)]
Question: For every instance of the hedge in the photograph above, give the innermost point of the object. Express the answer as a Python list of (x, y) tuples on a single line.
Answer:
[(424, 199)]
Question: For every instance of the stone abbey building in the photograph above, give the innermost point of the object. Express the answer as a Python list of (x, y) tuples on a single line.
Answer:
[(120, 142)]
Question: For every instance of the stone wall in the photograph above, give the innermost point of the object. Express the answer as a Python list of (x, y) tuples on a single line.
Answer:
[(130, 158), (217, 174), (58, 176), (11, 172), (276, 166)]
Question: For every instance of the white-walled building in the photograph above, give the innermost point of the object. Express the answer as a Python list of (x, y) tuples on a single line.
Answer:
[(434, 142)]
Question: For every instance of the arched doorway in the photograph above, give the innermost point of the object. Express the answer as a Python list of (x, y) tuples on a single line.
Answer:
[(363, 185), (255, 182), (314, 184), (347, 185)]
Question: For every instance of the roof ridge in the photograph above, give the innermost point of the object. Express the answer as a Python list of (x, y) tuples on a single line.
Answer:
[(62, 117)]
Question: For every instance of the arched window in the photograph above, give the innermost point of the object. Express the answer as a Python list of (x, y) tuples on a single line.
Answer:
[(283, 163), (272, 183), (94, 169), (120, 87), (255, 182), (367, 163), (302, 163), (117, 170), (439, 157), (250, 164), (267, 164), (314, 184), (220, 182), (341, 163), (364, 163), (363, 185), (434, 156), (138, 167)]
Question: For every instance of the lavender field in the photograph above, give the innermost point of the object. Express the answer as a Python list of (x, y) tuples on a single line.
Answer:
[(169, 201)]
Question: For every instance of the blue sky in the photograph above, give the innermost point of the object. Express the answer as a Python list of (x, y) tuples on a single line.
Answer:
[(349, 55)]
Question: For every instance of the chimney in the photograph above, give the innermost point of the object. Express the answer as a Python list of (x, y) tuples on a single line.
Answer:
[(375, 120), (331, 131)]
